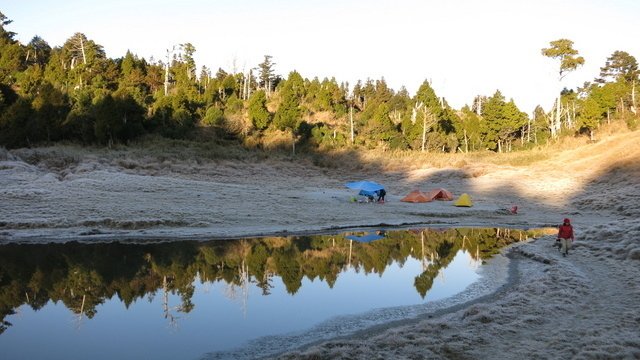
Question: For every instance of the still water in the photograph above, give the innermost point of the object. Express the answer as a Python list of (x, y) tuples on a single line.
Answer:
[(187, 299)]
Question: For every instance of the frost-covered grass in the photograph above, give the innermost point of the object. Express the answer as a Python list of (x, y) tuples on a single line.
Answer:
[(584, 306)]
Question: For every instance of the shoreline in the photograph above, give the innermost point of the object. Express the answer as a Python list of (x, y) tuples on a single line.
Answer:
[(498, 275), (580, 306), (449, 305), (89, 235)]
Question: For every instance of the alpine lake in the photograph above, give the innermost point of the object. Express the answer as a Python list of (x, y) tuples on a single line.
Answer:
[(207, 299)]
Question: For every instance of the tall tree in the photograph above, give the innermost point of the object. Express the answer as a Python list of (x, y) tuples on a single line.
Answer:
[(187, 57), (4, 33), (590, 115), (563, 51), (38, 51), (289, 113), (258, 113), (620, 66), (266, 74), (82, 60), (501, 120), (426, 110), (11, 53)]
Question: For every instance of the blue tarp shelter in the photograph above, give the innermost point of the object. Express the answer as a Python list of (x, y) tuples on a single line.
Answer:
[(367, 188), (367, 193), (365, 185), (365, 238)]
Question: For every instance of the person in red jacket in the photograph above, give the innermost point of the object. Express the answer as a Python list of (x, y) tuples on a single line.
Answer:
[(565, 235)]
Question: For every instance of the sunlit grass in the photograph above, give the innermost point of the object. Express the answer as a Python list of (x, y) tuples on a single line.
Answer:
[(153, 149)]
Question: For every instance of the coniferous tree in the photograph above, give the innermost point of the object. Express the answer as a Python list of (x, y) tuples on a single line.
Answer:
[(50, 108), (82, 60), (539, 126), (493, 119), (620, 66), (501, 121), (471, 139), (11, 53), (133, 73), (15, 123), (563, 51), (288, 115), (590, 115), (258, 113), (267, 78), (37, 51)]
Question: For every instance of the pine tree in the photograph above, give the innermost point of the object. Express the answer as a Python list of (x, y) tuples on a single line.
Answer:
[(267, 78), (288, 115), (11, 53), (563, 51), (258, 113), (620, 66), (590, 115)]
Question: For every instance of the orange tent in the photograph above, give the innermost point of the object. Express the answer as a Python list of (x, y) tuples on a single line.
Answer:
[(416, 196), (440, 194)]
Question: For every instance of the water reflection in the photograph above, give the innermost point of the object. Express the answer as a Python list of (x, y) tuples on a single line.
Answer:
[(89, 278)]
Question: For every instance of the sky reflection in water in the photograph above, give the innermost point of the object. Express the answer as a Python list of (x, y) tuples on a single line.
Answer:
[(185, 299)]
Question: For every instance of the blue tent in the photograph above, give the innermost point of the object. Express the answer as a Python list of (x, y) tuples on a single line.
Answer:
[(365, 238), (364, 185), (367, 193)]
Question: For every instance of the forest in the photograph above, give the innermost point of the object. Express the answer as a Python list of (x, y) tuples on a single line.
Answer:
[(84, 275), (75, 93)]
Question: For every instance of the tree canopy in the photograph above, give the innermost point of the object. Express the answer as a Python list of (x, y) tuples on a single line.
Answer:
[(76, 92)]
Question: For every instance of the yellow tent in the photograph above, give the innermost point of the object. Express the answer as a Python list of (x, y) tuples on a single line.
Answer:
[(464, 200)]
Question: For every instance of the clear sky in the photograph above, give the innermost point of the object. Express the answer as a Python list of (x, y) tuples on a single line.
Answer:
[(465, 47)]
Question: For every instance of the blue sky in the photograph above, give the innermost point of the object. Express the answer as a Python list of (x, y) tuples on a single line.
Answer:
[(464, 47)]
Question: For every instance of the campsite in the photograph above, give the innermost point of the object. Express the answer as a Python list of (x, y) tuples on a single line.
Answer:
[(219, 200), (324, 180)]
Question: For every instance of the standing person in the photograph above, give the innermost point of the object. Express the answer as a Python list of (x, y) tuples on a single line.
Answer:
[(565, 235)]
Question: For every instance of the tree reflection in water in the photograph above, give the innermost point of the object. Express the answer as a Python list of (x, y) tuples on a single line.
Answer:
[(83, 276)]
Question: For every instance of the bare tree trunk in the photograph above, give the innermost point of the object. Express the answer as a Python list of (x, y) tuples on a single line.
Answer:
[(244, 86), (249, 83), (466, 142), (293, 143), (499, 146), (84, 55), (166, 70), (556, 123), (84, 297), (424, 128), (166, 75), (608, 117), (633, 98), (351, 120), (529, 130), (569, 119)]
